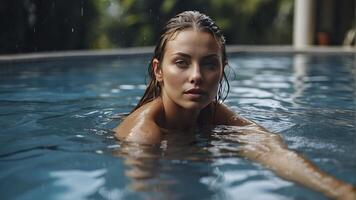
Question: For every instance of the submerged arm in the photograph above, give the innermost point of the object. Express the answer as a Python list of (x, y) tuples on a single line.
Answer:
[(269, 149)]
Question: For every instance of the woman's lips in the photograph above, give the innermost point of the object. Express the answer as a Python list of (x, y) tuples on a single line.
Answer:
[(195, 93)]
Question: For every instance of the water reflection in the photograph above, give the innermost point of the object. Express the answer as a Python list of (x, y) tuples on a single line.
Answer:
[(318, 78), (205, 165), (75, 183), (153, 174), (163, 171)]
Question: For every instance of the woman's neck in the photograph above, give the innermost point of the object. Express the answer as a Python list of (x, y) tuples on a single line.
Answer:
[(178, 118)]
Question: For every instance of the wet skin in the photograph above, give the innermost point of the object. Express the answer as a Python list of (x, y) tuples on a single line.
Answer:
[(189, 74)]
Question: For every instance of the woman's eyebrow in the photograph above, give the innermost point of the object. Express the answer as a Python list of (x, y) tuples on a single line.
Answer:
[(213, 55), (182, 54)]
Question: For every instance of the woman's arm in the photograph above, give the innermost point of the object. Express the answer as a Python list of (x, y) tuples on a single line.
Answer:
[(268, 149)]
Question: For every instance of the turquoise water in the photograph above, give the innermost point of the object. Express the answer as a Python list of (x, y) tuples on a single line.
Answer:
[(56, 117)]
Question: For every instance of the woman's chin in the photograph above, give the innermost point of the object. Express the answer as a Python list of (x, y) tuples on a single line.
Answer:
[(195, 105)]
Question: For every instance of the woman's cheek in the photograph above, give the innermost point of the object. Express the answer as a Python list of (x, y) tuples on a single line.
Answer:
[(173, 78)]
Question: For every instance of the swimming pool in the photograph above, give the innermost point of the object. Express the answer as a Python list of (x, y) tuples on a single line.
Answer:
[(56, 117)]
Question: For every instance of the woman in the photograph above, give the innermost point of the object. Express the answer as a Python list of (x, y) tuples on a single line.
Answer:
[(185, 92)]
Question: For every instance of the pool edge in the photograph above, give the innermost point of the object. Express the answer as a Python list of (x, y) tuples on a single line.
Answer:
[(148, 50)]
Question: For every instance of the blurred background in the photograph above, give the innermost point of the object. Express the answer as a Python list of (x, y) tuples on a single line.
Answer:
[(57, 25)]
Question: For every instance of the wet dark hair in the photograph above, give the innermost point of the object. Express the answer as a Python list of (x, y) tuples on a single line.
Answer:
[(184, 20)]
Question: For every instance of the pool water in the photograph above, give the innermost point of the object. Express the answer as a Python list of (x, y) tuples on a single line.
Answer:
[(56, 119)]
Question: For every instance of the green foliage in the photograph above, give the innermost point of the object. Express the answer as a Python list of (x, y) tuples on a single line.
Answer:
[(243, 21), (167, 6), (38, 25)]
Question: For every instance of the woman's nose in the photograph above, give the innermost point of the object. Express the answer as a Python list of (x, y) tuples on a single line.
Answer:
[(196, 76)]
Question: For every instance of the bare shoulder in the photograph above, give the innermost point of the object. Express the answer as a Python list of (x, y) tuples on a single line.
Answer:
[(140, 126), (225, 116)]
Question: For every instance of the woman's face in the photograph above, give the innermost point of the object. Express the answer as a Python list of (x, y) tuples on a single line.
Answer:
[(191, 69)]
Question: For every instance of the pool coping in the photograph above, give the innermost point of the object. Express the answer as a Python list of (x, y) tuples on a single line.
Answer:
[(148, 50)]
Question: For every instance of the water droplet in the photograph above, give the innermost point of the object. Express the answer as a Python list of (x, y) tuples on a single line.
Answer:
[(82, 11), (72, 30)]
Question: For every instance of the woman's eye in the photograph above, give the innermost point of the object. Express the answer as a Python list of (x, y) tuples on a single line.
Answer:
[(181, 63), (210, 64)]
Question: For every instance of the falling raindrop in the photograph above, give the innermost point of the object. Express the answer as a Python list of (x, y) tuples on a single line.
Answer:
[(81, 9), (72, 30)]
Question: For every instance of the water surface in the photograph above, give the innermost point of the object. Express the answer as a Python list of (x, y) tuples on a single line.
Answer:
[(56, 117)]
